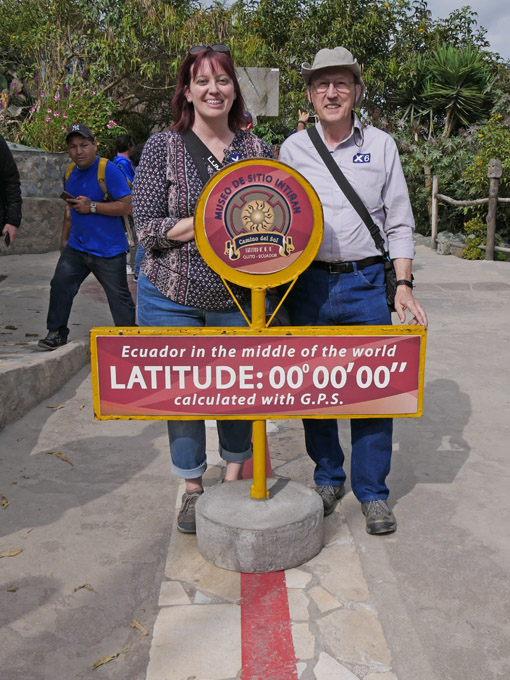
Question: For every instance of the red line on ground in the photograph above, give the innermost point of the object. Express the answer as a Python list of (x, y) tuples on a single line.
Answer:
[(248, 466), (266, 634)]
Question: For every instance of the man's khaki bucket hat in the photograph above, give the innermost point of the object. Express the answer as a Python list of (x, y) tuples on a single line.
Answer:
[(327, 58)]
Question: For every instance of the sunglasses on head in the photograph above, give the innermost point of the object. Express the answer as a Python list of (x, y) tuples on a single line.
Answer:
[(214, 48)]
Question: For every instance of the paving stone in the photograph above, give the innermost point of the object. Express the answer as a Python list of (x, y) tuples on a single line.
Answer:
[(336, 529), (298, 605), (186, 564), (301, 668), (180, 631), (202, 598), (324, 600), (304, 641), (172, 593), (328, 668), (354, 637), (339, 571), (297, 578), (380, 676), (298, 469)]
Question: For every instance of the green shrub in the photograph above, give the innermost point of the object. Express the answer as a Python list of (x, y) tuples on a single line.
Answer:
[(46, 125), (476, 235)]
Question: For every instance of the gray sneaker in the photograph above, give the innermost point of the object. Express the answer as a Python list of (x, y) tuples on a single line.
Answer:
[(186, 517), (380, 519), (330, 496)]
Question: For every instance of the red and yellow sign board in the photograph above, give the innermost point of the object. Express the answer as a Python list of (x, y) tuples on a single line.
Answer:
[(169, 373), (258, 223)]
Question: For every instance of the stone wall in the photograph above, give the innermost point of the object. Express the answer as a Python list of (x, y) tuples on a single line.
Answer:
[(43, 211)]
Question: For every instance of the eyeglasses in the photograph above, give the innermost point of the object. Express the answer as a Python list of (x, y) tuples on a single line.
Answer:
[(214, 48), (341, 86)]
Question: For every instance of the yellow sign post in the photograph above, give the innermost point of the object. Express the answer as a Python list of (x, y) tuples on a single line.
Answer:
[(274, 218)]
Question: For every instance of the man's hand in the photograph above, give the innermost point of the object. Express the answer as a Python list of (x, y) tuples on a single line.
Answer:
[(303, 116), (121, 206), (11, 230), (81, 204), (405, 300)]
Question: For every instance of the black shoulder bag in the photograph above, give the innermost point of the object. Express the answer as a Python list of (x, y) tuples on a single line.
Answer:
[(202, 157), (359, 206)]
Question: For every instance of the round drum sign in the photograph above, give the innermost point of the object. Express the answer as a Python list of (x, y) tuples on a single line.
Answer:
[(258, 223)]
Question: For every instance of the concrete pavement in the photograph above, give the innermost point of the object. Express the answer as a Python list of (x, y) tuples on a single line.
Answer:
[(27, 375), (99, 548)]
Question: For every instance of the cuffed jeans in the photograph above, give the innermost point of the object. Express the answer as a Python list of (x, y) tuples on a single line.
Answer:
[(72, 269), (187, 437), (358, 298)]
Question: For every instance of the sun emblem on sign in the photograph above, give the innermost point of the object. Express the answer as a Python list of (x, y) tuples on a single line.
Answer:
[(257, 216)]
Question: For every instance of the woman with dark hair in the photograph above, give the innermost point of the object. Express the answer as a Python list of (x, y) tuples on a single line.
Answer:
[(176, 287)]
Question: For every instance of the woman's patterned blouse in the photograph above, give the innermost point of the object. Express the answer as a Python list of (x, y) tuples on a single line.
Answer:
[(166, 189)]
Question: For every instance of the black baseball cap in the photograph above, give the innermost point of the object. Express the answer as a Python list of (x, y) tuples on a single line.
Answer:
[(79, 129)]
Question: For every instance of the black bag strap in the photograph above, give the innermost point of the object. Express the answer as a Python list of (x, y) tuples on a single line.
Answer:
[(201, 155), (347, 188)]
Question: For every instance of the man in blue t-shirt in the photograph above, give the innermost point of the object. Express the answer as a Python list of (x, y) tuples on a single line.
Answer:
[(93, 239)]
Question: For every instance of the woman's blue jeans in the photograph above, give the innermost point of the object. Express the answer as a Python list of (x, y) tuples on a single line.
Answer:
[(358, 298), (140, 253), (187, 437)]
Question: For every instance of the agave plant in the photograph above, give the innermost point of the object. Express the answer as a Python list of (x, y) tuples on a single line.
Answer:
[(459, 86)]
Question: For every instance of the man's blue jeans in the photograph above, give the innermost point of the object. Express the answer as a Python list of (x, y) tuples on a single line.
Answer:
[(358, 298), (72, 269), (187, 437)]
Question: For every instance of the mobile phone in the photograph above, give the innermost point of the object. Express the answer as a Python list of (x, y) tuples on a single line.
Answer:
[(7, 239), (65, 195), (311, 119)]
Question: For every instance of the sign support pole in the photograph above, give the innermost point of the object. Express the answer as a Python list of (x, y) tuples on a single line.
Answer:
[(259, 487)]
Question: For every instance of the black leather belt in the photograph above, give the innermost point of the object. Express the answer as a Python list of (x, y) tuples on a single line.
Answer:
[(346, 267)]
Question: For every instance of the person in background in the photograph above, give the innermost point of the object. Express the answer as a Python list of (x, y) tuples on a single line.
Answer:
[(93, 239), (136, 155), (303, 120), (249, 121), (10, 195), (125, 149), (345, 285), (176, 287), (135, 159)]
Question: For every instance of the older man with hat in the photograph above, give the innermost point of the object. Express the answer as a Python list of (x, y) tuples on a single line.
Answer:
[(345, 285), (93, 238)]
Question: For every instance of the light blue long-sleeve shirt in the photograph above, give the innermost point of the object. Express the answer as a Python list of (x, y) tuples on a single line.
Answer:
[(369, 159)]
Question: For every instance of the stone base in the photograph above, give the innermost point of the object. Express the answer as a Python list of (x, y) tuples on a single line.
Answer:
[(237, 532)]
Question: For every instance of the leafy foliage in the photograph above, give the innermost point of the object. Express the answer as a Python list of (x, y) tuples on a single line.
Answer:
[(429, 82), (48, 121), (446, 157), (458, 86)]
